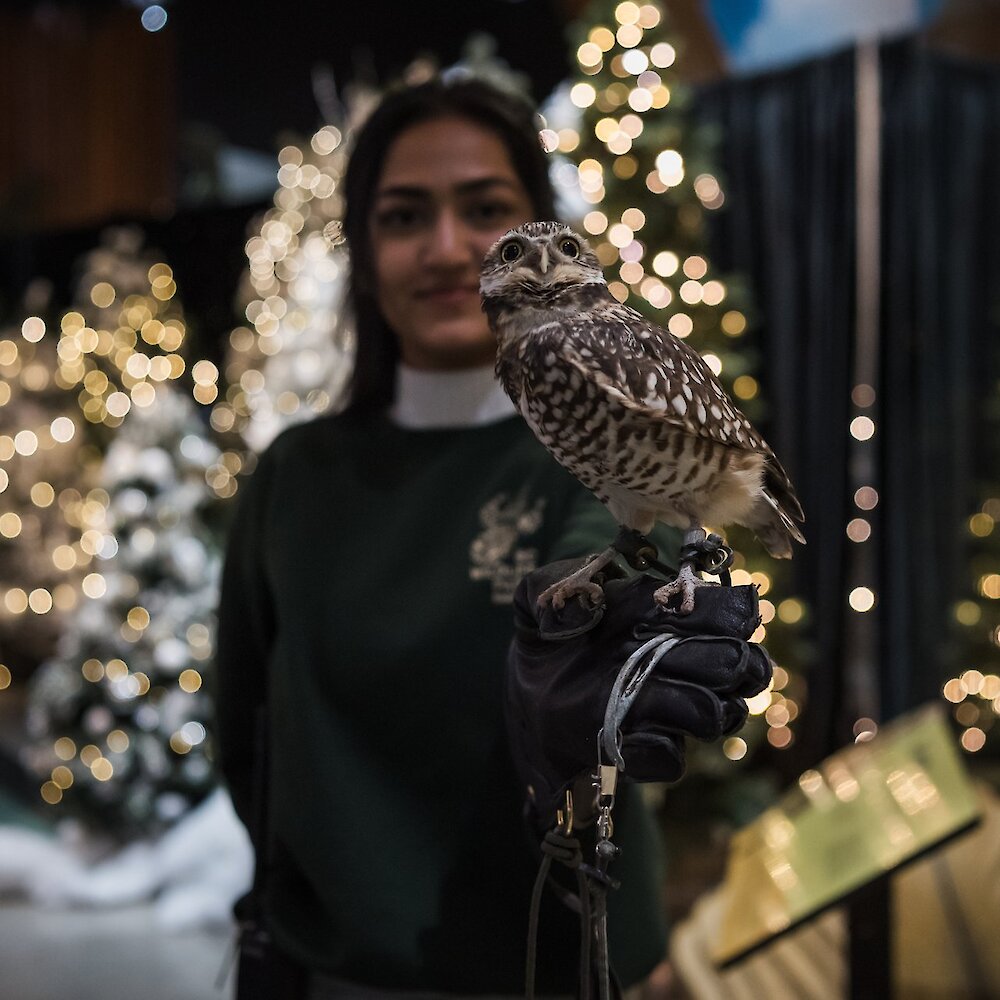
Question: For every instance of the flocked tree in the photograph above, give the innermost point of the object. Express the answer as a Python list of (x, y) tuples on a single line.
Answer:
[(116, 716), (119, 715), (47, 469)]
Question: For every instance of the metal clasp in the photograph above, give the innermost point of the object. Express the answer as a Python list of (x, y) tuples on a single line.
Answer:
[(564, 818)]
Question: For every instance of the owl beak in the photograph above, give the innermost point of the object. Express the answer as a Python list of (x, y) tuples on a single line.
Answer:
[(544, 261)]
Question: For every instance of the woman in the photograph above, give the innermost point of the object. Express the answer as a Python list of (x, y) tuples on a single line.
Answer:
[(368, 588)]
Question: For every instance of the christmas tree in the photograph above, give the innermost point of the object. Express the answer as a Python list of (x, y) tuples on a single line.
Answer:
[(117, 716), (46, 540), (292, 359), (646, 183)]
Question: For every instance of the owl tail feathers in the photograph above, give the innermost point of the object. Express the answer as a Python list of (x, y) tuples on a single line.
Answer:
[(776, 529)]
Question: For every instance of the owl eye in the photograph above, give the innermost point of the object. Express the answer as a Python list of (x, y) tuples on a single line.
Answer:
[(509, 252), (569, 248)]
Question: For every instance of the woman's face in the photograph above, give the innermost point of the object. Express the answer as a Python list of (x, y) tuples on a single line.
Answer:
[(447, 192)]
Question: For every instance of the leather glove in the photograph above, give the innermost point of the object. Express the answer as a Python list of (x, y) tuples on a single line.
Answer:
[(563, 664)]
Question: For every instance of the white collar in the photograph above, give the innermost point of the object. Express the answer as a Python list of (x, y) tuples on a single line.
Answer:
[(470, 397)]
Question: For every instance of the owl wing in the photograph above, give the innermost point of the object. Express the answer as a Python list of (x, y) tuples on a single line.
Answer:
[(660, 379), (654, 375)]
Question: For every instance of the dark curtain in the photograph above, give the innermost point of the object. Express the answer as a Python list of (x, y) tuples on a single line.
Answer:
[(786, 159), (941, 332), (787, 162)]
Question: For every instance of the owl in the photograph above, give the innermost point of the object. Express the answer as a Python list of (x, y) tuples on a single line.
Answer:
[(630, 410)]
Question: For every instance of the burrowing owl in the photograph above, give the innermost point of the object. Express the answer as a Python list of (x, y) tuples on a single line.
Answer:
[(634, 413)]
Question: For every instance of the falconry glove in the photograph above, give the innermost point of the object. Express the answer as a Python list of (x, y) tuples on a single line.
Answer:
[(563, 665)]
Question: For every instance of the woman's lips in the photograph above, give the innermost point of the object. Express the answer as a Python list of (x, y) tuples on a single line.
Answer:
[(450, 294)]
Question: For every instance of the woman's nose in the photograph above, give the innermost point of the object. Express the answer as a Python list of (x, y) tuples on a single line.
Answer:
[(447, 243)]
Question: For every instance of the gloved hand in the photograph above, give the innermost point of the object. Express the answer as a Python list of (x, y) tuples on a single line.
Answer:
[(563, 664)]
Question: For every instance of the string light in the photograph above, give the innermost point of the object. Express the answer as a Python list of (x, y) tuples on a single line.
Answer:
[(973, 695), (294, 293), (110, 356), (633, 152)]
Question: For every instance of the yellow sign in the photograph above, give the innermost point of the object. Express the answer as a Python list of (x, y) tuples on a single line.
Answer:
[(866, 810)]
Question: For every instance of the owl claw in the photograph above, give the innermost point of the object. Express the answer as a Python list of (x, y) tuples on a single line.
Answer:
[(685, 584), (579, 582), (559, 593)]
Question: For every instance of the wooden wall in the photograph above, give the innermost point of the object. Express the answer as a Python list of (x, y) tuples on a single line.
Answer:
[(88, 118)]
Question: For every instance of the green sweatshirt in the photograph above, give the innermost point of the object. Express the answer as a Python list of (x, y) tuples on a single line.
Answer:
[(367, 586)]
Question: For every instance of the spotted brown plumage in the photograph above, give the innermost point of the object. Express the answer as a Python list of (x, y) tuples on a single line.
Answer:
[(632, 411)]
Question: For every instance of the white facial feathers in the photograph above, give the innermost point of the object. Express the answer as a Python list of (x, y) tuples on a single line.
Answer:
[(536, 257)]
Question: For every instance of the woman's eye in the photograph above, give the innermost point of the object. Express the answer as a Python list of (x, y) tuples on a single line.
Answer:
[(487, 210), (510, 252), (397, 219), (570, 248)]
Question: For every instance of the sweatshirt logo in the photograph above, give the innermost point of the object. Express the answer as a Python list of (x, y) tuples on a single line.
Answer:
[(500, 553)]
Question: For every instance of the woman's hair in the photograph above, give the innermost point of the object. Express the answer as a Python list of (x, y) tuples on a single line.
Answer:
[(507, 116)]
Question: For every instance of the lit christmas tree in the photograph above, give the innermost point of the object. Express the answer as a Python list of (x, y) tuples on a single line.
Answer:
[(646, 180), (45, 540), (119, 716), (116, 715), (291, 362)]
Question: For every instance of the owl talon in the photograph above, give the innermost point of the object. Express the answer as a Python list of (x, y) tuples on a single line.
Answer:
[(559, 593), (685, 584), (579, 582)]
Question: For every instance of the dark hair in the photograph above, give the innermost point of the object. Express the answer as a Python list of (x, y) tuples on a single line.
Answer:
[(509, 117)]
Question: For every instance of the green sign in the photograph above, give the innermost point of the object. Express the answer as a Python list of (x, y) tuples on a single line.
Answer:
[(865, 811)]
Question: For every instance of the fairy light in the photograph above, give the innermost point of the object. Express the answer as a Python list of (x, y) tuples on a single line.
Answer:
[(733, 323), (665, 263), (189, 681), (859, 529), (16, 601), (709, 191), (680, 325), (974, 693), (296, 262), (670, 167), (92, 670), (51, 793), (862, 428), (713, 292), (635, 174), (861, 599), (691, 292), (981, 525), (88, 512), (39, 455)]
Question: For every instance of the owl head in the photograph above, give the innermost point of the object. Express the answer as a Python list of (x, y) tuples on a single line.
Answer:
[(536, 261)]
